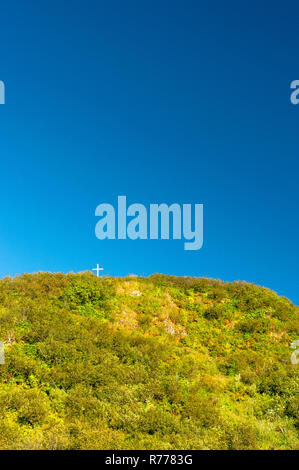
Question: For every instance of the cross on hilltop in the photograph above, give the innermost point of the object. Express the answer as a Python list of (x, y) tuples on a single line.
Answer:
[(97, 269)]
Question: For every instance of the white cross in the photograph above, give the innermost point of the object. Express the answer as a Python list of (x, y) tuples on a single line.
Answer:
[(97, 269)]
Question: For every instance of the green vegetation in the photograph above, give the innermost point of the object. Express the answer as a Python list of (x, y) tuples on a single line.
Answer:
[(135, 363)]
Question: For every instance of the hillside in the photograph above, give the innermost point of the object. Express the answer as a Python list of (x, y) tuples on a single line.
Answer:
[(146, 363)]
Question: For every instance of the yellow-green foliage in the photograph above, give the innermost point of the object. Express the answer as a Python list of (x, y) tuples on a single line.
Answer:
[(157, 363)]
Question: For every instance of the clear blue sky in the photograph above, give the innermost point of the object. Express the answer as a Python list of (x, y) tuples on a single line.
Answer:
[(162, 101)]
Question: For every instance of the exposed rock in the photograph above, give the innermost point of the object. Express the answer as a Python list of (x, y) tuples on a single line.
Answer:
[(135, 293)]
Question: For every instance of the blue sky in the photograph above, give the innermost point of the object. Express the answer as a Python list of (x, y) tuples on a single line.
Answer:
[(161, 101)]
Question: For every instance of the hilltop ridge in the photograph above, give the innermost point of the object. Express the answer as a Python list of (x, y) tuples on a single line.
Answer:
[(162, 362)]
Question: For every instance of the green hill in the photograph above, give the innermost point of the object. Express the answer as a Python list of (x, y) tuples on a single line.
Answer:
[(146, 363)]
